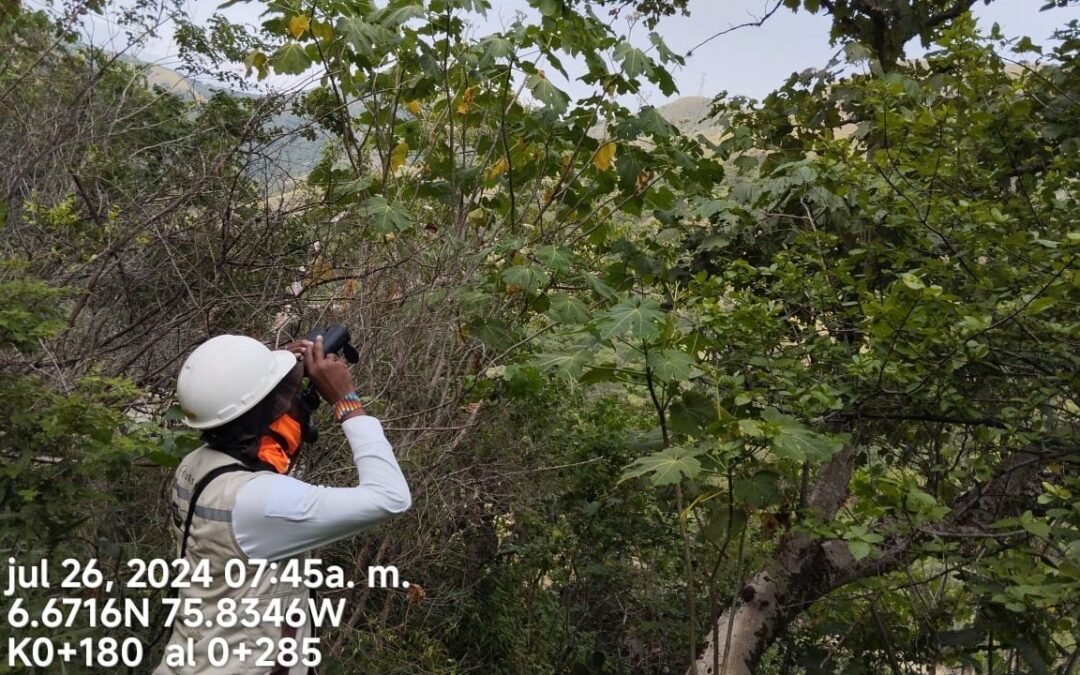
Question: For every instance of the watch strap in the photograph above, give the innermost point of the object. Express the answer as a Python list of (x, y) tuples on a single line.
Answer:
[(347, 404)]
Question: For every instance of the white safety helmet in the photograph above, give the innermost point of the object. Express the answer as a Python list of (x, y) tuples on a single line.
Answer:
[(226, 376)]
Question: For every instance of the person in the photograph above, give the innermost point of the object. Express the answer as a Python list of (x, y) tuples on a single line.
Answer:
[(246, 400)]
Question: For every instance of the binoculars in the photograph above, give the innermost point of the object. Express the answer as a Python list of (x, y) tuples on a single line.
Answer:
[(336, 340)]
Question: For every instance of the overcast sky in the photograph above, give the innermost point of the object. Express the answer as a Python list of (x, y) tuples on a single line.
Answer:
[(750, 61)]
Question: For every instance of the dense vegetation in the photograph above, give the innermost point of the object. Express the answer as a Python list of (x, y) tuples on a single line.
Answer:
[(796, 396)]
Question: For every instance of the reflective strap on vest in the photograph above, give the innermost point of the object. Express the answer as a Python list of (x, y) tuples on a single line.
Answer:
[(222, 515), (193, 502)]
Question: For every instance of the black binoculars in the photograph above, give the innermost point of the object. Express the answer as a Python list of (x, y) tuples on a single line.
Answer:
[(336, 340)]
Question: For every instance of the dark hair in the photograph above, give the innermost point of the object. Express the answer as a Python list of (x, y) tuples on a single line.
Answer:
[(239, 438)]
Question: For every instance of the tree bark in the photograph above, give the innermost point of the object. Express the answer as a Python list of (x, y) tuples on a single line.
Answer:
[(805, 570)]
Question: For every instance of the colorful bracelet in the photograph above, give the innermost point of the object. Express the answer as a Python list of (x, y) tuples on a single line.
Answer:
[(348, 403)]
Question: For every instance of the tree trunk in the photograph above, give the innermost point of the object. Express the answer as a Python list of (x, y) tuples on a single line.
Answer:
[(764, 604), (804, 570)]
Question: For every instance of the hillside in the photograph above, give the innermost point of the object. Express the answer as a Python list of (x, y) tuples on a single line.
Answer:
[(295, 156), (686, 113)]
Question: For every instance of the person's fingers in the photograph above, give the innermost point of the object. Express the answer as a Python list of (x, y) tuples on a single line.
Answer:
[(298, 348), (309, 360), (317, 350)]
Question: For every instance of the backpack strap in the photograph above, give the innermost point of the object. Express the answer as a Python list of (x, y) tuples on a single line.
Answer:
[(197, 490)]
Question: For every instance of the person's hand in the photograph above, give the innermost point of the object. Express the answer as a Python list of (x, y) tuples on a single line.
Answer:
[(327, 372), (298, 347)]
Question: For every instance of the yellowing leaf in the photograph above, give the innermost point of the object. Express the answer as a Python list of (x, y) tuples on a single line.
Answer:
[(255, 60), (413, 106), (299, 24), (642, 181), (476, 217), (604, 155), (321, 270), (398, 155), (498, 168), (567, 164), (466, 100), (415, 594)]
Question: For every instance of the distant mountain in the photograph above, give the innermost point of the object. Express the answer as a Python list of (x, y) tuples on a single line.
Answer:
[(172, 81), (294, 156), (688, 114), (299, 155)]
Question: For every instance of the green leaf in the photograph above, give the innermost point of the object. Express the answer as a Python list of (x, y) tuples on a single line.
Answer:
[(692, 412), (548, 7), (387, 217), (912, 281), (364, 37), (174, 414), (722, 524), (859, 548), (634, 61), (757, 491), (492, 332), (918, 501), (666, 55), (547, 93), (291, 59), (1034, 525), (666, 467), (751, 428), (496, 47), (522, 380), (599, 286), (567, 309), (28, 494), (527, 277), (1041, 305), (392, 17), (163, 459), (654, 123), (670, 364), (1073, 550), (571, 363), (600, 374), (640, 317), (791, 440), (556, 259)]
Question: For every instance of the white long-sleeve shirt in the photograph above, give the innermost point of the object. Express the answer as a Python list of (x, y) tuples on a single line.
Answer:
[(279, 516)]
